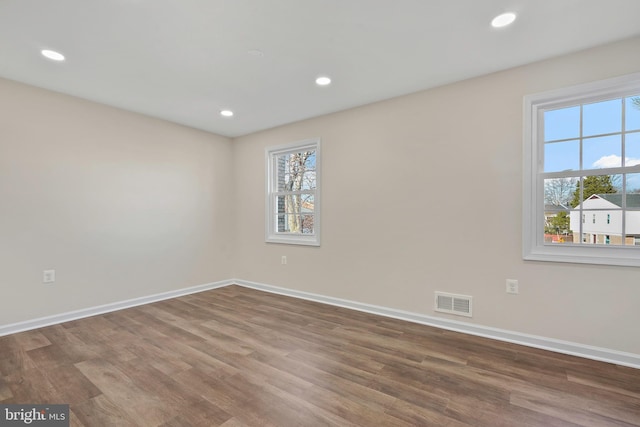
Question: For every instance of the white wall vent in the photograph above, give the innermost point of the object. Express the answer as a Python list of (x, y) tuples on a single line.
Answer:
[(453, 304)]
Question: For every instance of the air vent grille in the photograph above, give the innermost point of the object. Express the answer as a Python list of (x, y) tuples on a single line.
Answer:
[(453, 304)]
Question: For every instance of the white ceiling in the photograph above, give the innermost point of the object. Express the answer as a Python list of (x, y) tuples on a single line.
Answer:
[(185, 60)]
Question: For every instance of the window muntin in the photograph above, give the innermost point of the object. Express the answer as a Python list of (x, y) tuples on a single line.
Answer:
[(582, 157), (293, 193)]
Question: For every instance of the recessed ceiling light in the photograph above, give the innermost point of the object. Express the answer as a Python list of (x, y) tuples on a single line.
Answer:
[(52, 54), (226, 113), (503, 20), (323, 81)]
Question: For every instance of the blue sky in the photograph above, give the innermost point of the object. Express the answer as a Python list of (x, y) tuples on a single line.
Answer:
[(598, 151)]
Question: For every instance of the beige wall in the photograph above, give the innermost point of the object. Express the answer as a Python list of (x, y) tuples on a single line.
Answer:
[(423, 193), (124, 206), (119, 204)]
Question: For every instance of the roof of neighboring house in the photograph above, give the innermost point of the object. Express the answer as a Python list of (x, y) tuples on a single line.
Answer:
[(553, 208), (633, 200)]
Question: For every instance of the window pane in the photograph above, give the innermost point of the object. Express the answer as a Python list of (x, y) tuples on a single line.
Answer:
[(562, 156), (281, 171), (310, 160), (295, 213), (307, 204), (601, 215), (602, 117), (558, 192), (616, 181), (633, 190), (632, 228), (562, 124), (307, 224), (289, 223), (296, 171), (632, 149), (602, 152), (308, 180), (632, 110)]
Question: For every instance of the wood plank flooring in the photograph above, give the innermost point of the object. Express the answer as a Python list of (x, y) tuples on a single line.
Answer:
[(240, 357)]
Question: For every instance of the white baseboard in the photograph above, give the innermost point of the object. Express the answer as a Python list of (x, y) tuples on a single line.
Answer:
[(558, 346), (106, 308)]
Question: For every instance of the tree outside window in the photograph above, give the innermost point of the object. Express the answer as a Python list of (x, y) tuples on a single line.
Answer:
[(293, 197)]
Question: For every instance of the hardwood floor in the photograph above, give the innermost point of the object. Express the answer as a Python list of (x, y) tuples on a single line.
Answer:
[(239, 357)]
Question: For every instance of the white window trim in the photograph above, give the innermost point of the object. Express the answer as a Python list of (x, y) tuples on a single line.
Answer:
[(533, 246), (271, 234)]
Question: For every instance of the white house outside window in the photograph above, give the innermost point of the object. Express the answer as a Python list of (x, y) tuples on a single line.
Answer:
[(293, 193), (582, 157)]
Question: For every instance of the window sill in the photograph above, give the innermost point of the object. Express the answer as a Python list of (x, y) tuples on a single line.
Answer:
[(607, 255), (294, 240)]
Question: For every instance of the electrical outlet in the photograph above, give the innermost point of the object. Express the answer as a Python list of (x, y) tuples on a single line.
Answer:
[(512, 286), (48, 276), (283, 260)]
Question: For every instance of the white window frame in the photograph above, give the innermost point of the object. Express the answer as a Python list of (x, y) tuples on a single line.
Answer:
[(271, 233), (533, 246)]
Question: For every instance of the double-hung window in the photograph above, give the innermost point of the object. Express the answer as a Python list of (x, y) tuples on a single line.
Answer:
[(293, 193), (582, 158)]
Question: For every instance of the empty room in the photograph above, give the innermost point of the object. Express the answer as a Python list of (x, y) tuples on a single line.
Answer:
[(330, 213)]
